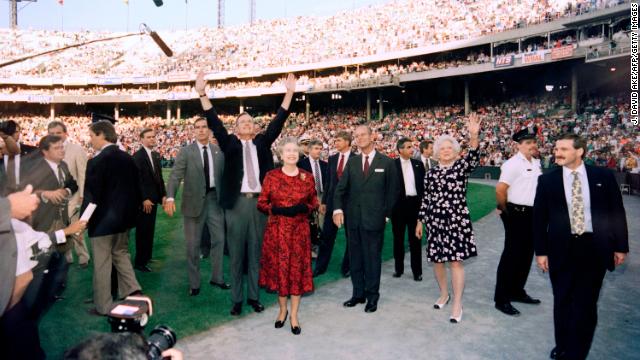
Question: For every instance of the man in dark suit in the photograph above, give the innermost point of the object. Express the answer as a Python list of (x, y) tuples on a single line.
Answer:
[(112, 184), (580, 231), (426, 154), (336, 166), (405, 213), (153, 193), (248, 158), (16, 165), (319, 169), (371, 183)]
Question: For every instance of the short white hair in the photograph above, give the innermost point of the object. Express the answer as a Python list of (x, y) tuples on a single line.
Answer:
[(285, 141), (443, 139)]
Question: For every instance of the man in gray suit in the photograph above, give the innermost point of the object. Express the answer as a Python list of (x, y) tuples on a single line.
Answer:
[(426, 152), (200, 165), (370, 183)]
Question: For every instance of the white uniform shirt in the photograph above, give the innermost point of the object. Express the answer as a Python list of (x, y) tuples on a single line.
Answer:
[(522, 177)]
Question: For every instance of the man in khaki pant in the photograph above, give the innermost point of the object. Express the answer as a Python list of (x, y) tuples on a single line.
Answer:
[(111, 184), (76, 160)]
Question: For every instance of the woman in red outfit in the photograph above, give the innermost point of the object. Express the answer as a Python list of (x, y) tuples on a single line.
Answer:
[(288, 196)]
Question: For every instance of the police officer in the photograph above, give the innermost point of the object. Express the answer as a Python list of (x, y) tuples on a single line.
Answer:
[(515, 193)]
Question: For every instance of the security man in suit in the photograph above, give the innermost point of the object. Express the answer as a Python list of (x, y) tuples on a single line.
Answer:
[(515, 193), (580, 231), (248, 158), (405, 213), (371, 183), (153, 193), (200, 164), (426, 153), (336, 165), (319, 169)]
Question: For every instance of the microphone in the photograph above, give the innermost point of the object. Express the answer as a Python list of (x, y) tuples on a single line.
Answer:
[(158, 40)]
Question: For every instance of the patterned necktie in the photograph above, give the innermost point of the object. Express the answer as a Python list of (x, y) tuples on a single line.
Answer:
[(366, 165), (205, 157), (577, 205), (316, 177), (340, 166), (248, 166)]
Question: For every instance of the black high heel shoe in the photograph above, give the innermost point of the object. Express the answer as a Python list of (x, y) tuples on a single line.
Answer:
[(279, 323)]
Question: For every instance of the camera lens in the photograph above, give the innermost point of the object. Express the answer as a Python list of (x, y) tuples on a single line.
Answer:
[(160, 339)]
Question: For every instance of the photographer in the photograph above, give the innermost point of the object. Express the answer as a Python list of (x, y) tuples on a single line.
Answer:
[(130, 346)]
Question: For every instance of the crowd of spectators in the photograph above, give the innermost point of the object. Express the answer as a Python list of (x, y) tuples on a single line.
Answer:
[(376, 29), (613, 141)]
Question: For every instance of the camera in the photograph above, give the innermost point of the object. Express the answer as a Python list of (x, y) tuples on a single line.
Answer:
[(132, 315)]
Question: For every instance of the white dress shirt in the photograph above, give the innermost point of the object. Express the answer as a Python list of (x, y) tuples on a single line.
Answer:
[(212, 182), (371, 155), (148, 151), (16, 162), (427, 162), (409, 178), (522, 177), (256, 168), (567, 179)]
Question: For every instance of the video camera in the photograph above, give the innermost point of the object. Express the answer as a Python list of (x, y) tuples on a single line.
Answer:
[(132, 315)]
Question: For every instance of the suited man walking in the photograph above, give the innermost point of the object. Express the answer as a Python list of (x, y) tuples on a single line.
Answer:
[(112, 184), (580, 231), (153, 193), (200, 165), (336, 165), (405, 213), (426, 153), (76, 159), (248, 158), (16, 165), (371, 182)]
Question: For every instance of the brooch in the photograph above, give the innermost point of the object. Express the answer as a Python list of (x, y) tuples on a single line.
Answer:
[(302, 177)]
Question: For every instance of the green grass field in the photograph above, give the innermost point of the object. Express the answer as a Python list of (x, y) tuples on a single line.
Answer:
[(68, 323)]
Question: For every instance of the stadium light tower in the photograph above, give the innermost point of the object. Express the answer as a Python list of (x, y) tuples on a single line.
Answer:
[(220, 14), (252, 11), (13, 11)]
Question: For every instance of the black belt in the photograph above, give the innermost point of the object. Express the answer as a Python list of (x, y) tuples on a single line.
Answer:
[(586, 235), (519, 208)]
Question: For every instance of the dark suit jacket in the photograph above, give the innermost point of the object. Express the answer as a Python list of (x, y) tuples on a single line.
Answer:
[(28, 159), (151, 182), (8, 254), (327, 197), (44, 179), (232, 148), (418, 174), (305, 164), (112, 184), (371, 198), (27, 149), (552, 226)]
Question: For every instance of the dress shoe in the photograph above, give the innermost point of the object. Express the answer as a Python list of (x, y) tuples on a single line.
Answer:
[(557, 354), (88, 301), (456, 319), (439, 306), (417, 277), (280, 323), (346, 274), (371, 307), (236, 309), (255, 304), (222, 285), (353, 302), (202, 256), (526, 300), (136, 293), (94, 312), (58, 298), (296, 330), (397, 274), (194, 292), (508, 309), (142, 268), (317, 273)]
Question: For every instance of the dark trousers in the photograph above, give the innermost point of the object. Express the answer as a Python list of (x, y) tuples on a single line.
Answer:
[(205, 242), (404, 219), (19, 338), (515, 262), (365, 255), (145, 230), (576, 288), (48, 280), (325, 249)]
